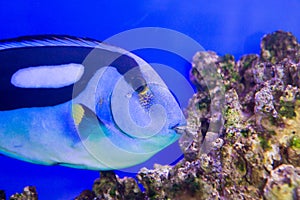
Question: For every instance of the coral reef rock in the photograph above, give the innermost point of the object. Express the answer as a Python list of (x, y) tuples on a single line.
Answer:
[(110, 186), (29, 193), (242, 139), (86, 195), (283, 183)]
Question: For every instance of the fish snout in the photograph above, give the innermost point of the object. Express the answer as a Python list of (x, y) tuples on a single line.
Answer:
[(179, 129)]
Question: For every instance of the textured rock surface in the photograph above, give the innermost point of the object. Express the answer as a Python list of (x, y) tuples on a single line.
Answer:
[(283, 183), (242, 139), (110, 186), (29, 193), (86, 195)]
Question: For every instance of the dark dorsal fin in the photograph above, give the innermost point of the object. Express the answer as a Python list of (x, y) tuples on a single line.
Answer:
[(48, 40), (72, 41)]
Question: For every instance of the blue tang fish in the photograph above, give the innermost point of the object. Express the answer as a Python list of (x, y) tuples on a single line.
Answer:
[(81, 103)]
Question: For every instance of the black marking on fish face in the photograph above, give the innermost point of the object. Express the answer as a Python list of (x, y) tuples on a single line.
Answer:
[(11, 60)]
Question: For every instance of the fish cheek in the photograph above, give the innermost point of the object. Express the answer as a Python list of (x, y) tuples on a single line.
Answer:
[(146, 98)]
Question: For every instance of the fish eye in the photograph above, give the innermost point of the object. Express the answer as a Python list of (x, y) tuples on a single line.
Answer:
[(138, 83), (142, 89)]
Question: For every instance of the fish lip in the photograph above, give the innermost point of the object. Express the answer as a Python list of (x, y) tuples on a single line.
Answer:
[(179, 128), (174, 126)]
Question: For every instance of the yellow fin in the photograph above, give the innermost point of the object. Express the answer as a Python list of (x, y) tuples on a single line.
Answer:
[(78, 113), (86, 121)]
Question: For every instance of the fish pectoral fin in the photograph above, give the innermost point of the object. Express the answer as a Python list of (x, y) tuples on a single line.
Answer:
[(86, 121)]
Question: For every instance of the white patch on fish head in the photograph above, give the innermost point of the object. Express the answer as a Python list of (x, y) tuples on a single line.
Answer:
[(48, 76)]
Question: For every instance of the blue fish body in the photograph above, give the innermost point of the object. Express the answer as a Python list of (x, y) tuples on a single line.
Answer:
[(81, 103)]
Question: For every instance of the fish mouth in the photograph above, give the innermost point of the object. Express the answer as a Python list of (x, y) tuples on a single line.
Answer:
[(179, 128)]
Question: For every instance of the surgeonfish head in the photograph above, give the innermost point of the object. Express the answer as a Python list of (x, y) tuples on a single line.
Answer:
[(82, 103)]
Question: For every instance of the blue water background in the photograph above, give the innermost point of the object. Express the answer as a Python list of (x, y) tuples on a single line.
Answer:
[(223, 26)]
